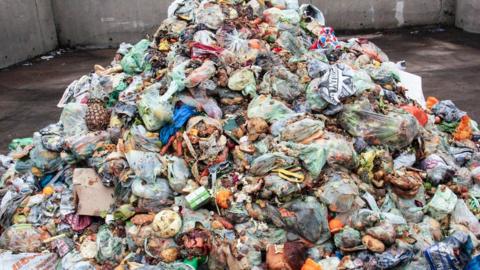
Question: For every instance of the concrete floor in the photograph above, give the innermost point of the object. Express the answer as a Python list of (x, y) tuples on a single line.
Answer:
[(448, 60)]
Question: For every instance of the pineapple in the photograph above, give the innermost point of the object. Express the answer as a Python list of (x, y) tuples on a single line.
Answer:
[(97, 116)]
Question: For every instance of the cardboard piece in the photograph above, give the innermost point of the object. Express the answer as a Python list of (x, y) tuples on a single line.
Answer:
[(91, 196), (414, 85)]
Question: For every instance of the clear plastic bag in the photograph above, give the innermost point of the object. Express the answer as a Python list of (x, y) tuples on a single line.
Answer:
[(309, 219), (73, 119), (442, 203), (301, 130), (146, 165), (158, 190), (47, 261), (154, 110), (134, 61), (200, 74), (83, 146), (270, 161), (141, 139), (21, 238), (340, 193), (110, 247), (268, 109), (394, 129), (178, 173), (462, 215), (282, 83), (43, 159)]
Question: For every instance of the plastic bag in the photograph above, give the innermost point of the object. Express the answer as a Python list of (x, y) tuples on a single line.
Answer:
[(394, 129), (200, 74), (334, 85), (141, 139), (282, 19), (53, 137), (21, 238), (134, 61), (154, 110), (340, 193), (83, 146), (447, 110), (282, 83), (452, 253), (309, 219), (24, 261), (209, 14), (110, 247), (280, 187), (442, 203), (348, 238), (76, 92), (269, 109), (301, 130), (270, 161), (393, 257), (241, 79), (438, 171), (158, 190), (73, 119), (43, 159), (146, 165), (181, 115), (462, 215), (178, 173)]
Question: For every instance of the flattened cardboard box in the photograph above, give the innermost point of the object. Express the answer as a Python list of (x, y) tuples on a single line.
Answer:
[(91, 196)]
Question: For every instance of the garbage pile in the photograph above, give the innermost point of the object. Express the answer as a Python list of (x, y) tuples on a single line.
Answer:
[(244, 135)]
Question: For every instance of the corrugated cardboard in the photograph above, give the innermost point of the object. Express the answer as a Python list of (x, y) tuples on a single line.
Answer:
[(91, 195)]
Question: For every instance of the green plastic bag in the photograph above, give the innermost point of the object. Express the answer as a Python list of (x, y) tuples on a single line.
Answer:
[(395, 129), (269, 109), (134, 61)]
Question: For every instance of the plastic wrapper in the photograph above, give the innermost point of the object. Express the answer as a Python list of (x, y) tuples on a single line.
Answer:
[(394, 129), (393, 257), (452, 253), (21, 238)]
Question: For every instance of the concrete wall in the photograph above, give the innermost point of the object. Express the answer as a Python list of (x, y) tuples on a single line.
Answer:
[(468, 15), (106, 23), (27, 29), (381, 14)]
